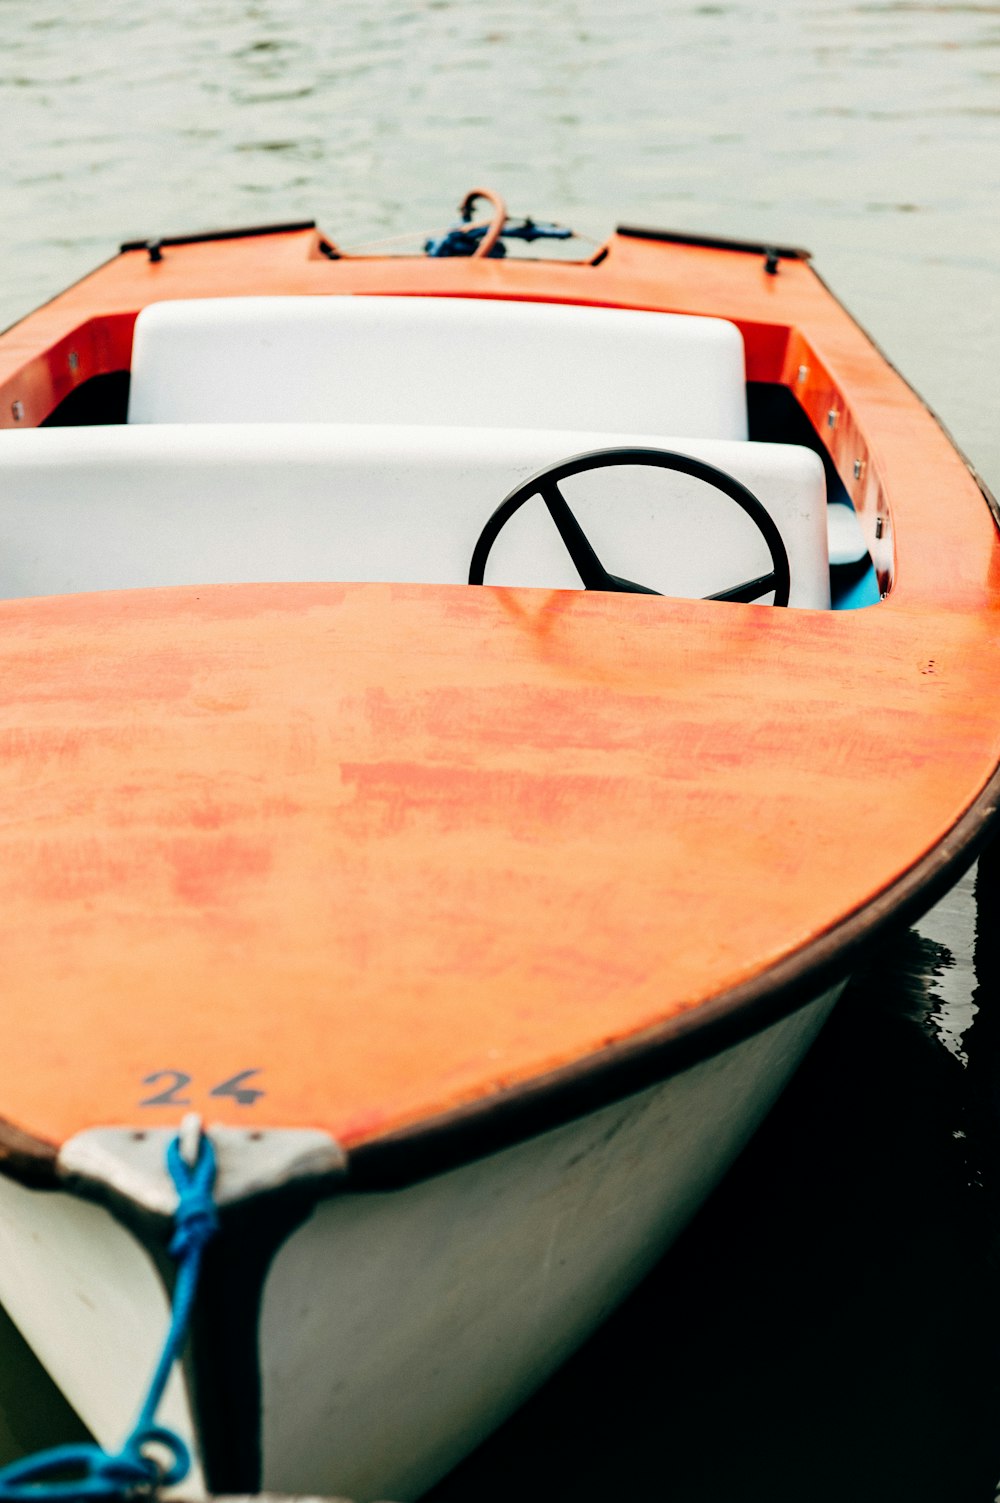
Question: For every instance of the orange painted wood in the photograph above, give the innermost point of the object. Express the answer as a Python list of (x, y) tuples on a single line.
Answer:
[(401, 847)]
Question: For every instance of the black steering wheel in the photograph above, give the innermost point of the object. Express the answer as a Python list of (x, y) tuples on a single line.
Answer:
[(589, 567)]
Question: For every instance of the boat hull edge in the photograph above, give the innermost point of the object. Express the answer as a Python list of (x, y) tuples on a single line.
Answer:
[(398, 1329)]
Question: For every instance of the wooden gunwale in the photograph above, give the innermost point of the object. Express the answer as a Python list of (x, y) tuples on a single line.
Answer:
[(885, 719)]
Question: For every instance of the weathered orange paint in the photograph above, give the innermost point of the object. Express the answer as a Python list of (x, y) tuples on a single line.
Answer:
[(402, 847)]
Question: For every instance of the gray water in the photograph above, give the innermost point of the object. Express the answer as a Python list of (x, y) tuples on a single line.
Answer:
[(839, 1334), (868, 132)]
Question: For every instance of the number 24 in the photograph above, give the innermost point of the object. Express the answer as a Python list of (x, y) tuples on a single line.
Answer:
[(173, 1094)]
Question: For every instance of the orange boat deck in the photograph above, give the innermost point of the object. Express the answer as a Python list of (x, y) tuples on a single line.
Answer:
[(388, 856)]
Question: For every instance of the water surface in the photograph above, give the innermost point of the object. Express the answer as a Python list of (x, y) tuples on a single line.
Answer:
[(869, 132)]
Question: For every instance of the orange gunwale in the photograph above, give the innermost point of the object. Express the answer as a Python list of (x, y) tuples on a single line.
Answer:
[(558, 845)]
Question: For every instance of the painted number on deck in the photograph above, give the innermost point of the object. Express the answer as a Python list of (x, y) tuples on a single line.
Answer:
[(236, 1087), (174, 1088)]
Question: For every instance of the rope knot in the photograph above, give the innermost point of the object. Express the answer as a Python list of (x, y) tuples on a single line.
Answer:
[(196, 1219), (87, 1472), (133, 1468)]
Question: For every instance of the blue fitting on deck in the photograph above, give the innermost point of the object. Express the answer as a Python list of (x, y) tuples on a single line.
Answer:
[(463, 239), (94, 1472)]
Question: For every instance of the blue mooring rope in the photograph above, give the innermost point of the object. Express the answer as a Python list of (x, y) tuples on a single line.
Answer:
[(88, 1471)]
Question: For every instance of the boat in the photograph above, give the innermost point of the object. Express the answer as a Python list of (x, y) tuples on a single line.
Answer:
[(466, 712)]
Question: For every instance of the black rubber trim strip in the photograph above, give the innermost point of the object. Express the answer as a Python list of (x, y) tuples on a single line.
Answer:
[(714, 242), (550, 1101), (247, 233), (132, 245), (223, 1363)]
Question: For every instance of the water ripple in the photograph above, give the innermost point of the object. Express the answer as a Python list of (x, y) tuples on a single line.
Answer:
[(829, 123)]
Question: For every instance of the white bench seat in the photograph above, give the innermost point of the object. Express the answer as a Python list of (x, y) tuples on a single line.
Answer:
[(120, 507), (459, 361)]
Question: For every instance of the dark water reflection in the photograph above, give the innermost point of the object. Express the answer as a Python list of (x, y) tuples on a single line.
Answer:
[(829, 1328)]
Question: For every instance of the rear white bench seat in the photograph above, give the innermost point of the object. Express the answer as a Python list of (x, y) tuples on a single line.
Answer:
[(459, 361), (107, 508)]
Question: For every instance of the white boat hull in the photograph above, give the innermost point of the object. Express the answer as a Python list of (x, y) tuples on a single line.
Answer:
[(397, 1329)]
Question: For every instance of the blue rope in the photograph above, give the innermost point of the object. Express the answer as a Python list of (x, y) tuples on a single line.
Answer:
[(94, 1472)]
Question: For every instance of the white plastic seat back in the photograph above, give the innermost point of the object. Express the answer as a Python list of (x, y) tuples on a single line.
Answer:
[(456, 361), (109, 508)]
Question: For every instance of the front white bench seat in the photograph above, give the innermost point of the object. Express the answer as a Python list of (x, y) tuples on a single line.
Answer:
[(456, 361), (109, 508)]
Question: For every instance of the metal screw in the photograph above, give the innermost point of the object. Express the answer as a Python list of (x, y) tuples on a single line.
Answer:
[(74, 360), (17, 408), (831, 417), (803, 373), (879, 526), (859, 468)]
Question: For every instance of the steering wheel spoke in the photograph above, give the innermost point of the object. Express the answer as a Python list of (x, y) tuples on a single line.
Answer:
[(589, 567), (753, 589), (592, 572)]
